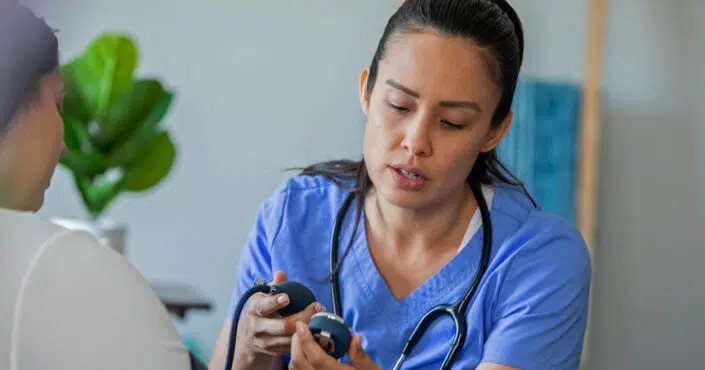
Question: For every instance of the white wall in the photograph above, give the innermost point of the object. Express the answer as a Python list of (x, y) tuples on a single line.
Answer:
[(554, 45), (267, 85), (649, 306), (262, 86)]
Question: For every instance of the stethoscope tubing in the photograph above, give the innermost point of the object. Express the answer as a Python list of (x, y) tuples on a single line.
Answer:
[(455, 311)]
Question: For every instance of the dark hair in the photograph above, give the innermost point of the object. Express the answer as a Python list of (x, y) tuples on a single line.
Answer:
[(29, 50), (493, 25)]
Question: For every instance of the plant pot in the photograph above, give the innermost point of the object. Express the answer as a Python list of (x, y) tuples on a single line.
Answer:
[(108, 233)]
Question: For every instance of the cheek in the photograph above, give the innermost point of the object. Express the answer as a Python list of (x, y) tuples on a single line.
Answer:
[(379, 138), (53, 126), (456, 161), (49, 135)]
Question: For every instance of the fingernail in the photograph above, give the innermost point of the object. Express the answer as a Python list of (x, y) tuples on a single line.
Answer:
[(283, 299), (318, 307), (300, 326), (322, 308)]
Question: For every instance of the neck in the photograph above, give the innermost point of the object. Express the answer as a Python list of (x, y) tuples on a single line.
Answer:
[(408, 230)]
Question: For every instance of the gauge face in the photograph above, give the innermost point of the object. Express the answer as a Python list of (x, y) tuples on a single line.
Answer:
[(331, 333)]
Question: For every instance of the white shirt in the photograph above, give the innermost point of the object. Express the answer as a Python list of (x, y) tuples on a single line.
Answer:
[(476, 220), (69, 303)]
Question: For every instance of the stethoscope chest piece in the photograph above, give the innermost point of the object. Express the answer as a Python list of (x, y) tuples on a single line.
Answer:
[(331, 332)]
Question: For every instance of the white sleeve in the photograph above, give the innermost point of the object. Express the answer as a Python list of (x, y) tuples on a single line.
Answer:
[(83, 306)]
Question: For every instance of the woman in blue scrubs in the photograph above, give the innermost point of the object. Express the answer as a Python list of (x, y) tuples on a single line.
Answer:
[(437, 99)]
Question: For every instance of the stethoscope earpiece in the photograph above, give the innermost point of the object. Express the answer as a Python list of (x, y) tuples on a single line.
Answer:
[(332, 333)]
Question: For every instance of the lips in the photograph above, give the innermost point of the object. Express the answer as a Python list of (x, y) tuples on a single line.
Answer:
[(410, 172), (408, 178)]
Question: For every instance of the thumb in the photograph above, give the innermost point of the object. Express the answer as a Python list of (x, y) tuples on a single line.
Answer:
[(279, 276), (358, 357)]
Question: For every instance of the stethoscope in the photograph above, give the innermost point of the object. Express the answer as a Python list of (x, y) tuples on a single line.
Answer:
[(455, 310)]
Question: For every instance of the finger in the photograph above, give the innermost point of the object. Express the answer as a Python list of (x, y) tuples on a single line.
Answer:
[(282, 350), (357, 355), (298, 357), (266, 305), (265, 352), (279, 276), (271, 343), (287, 325), (304, 316), (312, 350)]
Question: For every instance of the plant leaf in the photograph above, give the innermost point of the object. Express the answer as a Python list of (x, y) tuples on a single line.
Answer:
[(87, 164), (104, 71), (151, 166), (74, 104), (97, 194), (129, 111), (80, 157), (126, 151), (84, 185), (75, 134)]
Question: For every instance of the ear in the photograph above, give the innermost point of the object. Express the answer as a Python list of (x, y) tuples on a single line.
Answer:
[(495, 135), (364, 95)]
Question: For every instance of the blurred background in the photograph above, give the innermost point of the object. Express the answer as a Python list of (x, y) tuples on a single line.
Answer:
[(261, 86)]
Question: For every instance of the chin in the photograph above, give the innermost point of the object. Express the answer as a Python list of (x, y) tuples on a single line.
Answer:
[(34, 202), (411, 200)]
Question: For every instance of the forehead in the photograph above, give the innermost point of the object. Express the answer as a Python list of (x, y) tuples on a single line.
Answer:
[(441, 66)]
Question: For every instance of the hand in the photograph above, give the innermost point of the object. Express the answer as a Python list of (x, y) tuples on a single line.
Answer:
[(262, 335), (307, 354)]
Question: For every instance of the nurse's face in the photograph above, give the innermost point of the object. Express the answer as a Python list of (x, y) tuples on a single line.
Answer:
[(428, 118)]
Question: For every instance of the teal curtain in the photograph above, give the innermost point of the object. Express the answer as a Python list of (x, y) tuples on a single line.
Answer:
[(541, 147)]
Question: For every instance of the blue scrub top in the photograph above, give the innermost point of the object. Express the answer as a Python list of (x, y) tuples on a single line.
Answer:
[(530, 310)]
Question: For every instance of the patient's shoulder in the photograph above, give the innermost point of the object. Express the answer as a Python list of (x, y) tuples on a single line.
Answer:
[(25, 230)]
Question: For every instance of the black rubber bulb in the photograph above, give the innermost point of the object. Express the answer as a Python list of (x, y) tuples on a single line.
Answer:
[(299, 296)]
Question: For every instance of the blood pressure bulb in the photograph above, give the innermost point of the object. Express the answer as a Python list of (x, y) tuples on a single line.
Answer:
[(299, 296), (330, 330)]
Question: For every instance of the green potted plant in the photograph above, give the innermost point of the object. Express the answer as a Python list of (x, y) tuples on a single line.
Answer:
[(115, 140)]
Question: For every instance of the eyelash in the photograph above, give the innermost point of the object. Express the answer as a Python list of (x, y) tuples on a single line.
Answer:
[(445, 122), (398, 108)]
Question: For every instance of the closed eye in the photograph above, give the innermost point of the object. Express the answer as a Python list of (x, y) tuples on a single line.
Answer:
[(452, 125), (397, 107)]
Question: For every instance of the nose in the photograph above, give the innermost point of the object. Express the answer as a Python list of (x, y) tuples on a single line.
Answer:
[(417, 140)]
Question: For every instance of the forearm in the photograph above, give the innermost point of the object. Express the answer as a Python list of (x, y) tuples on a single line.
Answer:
[(245, 362), (255, 362), (278, 364)]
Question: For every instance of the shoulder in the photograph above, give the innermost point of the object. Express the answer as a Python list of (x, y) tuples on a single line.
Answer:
[(299, 203), (24, 238), (86, 281), (297, 219), (25, 228), (320, 185), (529, 235), (298, 195), (539, 285)]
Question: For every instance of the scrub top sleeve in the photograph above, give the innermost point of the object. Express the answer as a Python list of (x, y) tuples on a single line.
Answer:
[(255, 257), (542, 306)]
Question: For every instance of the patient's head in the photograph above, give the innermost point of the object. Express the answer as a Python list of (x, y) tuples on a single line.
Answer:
[(31, 93)]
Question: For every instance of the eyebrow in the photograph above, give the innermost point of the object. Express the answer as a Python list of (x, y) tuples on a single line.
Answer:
[(444, 103)]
